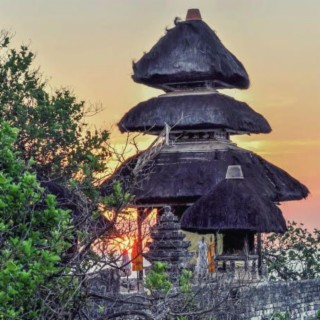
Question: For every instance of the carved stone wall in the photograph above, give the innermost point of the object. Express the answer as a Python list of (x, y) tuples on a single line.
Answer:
[(255, 301), (301, 299)]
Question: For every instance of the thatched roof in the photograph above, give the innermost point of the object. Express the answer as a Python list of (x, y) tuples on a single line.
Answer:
[(193, 111), (190, 52), (176, 177), (233, 204)]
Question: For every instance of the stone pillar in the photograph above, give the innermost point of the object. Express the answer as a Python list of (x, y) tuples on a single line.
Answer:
[(259, 252)]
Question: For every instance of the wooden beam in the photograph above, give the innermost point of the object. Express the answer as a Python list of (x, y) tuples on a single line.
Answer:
[(259, 252), (139, 226)]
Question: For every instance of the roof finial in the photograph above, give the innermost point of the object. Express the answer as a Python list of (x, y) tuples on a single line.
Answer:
[(193, 14), (234, 172)]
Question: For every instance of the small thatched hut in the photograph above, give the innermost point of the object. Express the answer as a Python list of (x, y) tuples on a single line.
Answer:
[(233, 204), (237, 210)]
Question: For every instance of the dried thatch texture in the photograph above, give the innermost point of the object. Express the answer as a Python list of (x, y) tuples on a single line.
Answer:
[(184, 177), (198, 111), (233, 205), (190, 51)]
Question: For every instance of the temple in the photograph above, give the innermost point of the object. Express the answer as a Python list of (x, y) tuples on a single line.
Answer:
[(189, 166)]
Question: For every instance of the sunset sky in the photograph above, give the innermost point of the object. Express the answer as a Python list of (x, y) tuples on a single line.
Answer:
[(88, 46)]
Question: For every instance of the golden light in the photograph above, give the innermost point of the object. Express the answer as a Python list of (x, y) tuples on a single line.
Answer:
[(125, 233)]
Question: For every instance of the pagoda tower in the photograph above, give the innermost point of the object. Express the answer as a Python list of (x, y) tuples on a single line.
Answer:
[(194, 123), (168, 244)]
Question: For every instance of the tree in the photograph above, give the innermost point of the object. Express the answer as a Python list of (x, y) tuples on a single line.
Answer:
[(46, 250), (52, 128), (30, 238), (53, 136), (294, 255)]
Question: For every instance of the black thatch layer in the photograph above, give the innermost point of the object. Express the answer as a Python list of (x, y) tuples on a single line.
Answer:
[(191, 51), (233, 205), (198, 111), (184, 177)]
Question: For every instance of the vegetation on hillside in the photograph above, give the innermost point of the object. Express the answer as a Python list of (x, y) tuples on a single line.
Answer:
[(294, 255)]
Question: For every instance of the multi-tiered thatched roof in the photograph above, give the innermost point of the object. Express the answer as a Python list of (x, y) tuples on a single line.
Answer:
[(175, 177), (196, 111), (190, 63), (190, 53)]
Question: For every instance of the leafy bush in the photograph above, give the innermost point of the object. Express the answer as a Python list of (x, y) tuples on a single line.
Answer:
[(280, 316), (294, 255), (31, 243), (158, 278), (185, 281)]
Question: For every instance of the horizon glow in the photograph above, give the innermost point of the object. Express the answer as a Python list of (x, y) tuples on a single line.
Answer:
[(89, 47)]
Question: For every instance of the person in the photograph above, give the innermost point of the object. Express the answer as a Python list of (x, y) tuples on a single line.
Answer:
[(202, 260), (126, 263)]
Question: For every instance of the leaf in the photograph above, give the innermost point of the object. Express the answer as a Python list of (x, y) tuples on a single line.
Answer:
[(11, 265)]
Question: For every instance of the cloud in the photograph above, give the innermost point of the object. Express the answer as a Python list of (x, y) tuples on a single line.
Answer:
[(279, 146)]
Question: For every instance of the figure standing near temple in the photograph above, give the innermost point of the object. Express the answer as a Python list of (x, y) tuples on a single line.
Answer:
[(211, 256), (126, 266), (202, 261), (126, 263)]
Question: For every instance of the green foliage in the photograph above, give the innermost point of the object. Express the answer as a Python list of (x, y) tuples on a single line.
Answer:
[(53, 143), (318, 314), (42, 267), (30, 241), (185, 281), (158, 279), (52, 132), (118, 198), (294, 255), (280, 316), (101, 309)]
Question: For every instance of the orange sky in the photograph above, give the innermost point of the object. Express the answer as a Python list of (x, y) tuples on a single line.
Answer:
[(88, 46)]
